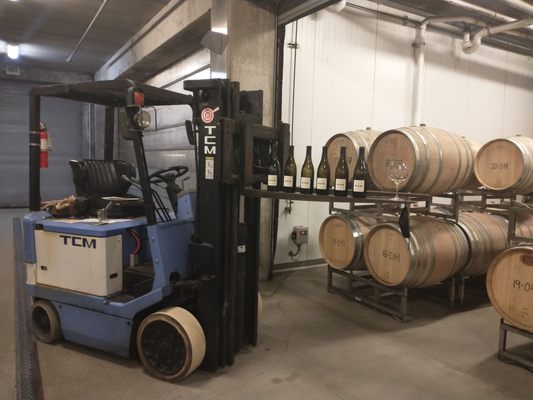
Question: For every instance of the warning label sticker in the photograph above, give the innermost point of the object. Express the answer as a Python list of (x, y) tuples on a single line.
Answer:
[(209, 168)]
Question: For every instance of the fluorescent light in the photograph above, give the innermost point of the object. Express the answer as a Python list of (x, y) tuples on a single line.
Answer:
[(13, 51)]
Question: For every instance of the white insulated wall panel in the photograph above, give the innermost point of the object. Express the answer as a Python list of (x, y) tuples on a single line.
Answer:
[(353, 71)]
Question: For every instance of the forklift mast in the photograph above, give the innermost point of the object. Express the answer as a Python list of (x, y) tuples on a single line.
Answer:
[(219, 249)]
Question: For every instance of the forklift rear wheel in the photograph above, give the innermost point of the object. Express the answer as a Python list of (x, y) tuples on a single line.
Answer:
[(45, 321), (171, 343)]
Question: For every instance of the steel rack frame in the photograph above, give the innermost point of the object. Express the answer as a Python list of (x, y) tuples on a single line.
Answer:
[(364, 289), (504, 354), (448, 205), (512, 237)]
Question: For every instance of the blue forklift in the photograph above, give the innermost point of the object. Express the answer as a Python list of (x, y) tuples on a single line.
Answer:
[(175, 285)]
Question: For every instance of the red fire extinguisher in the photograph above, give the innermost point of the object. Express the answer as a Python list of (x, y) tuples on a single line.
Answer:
[(46, 145)]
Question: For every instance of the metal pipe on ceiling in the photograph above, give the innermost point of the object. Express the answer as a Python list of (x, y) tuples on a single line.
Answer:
[(519, 5), (470, 46), (69, 58), (401, 18), (481, 10)]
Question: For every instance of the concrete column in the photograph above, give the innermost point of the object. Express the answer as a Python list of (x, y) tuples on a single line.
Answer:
[(249, 59)]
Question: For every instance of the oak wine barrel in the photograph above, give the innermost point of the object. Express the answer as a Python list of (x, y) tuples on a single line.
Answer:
[(506, 164), (437, 250), (487, 237), (524, 225), (342, 237), (510, 286), (471, 181), (437, 161), (352, 141)]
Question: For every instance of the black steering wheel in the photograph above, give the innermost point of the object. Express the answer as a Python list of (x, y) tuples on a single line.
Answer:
[(168, 174)]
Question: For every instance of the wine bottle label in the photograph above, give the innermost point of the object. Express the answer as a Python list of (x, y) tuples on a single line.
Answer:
[(358, 185), (305, 183), (272, 180), (322, 183), (340, 184), (288, 181)]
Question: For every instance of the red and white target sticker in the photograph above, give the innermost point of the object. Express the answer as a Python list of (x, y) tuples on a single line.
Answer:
[(208, 114)]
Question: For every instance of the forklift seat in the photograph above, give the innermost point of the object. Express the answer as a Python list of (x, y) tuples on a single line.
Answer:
[(97, 179)]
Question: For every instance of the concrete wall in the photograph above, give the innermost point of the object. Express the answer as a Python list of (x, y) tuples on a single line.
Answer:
[(251, 61), (353, 72)]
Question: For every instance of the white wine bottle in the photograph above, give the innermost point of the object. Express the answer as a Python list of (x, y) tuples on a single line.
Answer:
[(274, 169), (308, 173), (322, 174), (341, 175), (360, 175), (289, 173)]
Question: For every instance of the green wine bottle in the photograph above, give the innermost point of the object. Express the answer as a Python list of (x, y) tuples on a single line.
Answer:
[(274, 169), (308, 173), (289, 173), (360, 175), (322, 174), (341, 175)]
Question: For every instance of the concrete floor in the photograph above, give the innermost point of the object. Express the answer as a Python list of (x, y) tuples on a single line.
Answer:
[(312, 345)]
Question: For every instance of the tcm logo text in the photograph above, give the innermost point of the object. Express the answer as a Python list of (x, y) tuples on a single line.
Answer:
[(210, 141), (78, 241)]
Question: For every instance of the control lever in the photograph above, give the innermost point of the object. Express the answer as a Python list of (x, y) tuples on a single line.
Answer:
[(183, 181), (128, 179), (191, 132), (164, 215)]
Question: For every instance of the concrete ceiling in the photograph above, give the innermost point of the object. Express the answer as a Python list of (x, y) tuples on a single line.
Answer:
[(48, 30)]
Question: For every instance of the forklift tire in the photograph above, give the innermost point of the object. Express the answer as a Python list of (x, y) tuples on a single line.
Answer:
[(170, 343), (45, 322)]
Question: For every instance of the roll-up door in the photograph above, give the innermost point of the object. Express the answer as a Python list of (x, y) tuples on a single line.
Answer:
[(64, 121)]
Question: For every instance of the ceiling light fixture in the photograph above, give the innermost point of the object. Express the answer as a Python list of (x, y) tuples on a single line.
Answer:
[(13, 51)]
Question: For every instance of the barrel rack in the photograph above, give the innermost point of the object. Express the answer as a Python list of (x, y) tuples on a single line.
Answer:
[(361, 286), (503, 352), (364, 289), (507, 356)]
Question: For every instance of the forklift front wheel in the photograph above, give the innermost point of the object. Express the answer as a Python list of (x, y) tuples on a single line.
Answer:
[(170, 343), (45, 321)]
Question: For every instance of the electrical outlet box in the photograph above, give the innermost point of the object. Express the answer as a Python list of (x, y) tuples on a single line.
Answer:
[(300, 234)]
